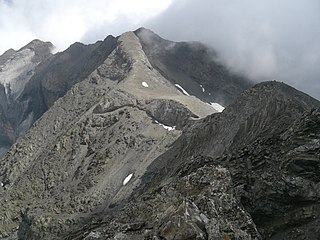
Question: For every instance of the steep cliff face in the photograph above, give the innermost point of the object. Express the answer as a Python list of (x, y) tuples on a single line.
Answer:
[(7, 136)]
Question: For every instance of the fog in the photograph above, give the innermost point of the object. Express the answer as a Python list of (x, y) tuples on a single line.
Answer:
[(65, 22), (265, 40)]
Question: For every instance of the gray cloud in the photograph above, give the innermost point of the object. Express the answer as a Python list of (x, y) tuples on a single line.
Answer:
[(267, 39), (65, 22)]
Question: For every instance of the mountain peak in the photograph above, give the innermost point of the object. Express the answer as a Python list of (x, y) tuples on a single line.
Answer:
[(271, 90), (41, 49), (6, 55), (143, 29), (37, 43), (17, 67), (148, 36)]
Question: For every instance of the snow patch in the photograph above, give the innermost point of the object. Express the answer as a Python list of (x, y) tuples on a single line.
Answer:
[(145, 84), (165, 126), (127, 179), (187, 213), (217, 106), (202, 88), (204, 218), (181, 88), (168, 127)]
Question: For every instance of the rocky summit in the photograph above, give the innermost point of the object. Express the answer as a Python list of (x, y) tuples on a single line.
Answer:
[(138, 137)]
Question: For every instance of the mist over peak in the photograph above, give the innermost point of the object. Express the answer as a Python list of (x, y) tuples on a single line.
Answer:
[(263, 40)]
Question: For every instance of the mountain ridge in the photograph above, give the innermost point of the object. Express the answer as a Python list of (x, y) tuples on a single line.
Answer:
[(52, 78), (114, 149)]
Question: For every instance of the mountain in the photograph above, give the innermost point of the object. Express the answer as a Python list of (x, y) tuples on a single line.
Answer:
[(51, 77), (127, 140), (16, 70), (17, 67), (45, 77)]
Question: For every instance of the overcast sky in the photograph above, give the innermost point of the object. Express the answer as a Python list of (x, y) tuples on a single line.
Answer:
[(265, 39)]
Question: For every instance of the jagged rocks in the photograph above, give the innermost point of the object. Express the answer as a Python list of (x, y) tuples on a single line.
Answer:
[(275, 178), (201, 205)]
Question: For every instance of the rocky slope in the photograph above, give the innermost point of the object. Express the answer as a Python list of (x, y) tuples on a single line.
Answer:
[(264, 188), (208, 184), (125, 153), (37, 78), (34, 79), (74, 160), (277, 179), (250, 139), (59, 73)]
